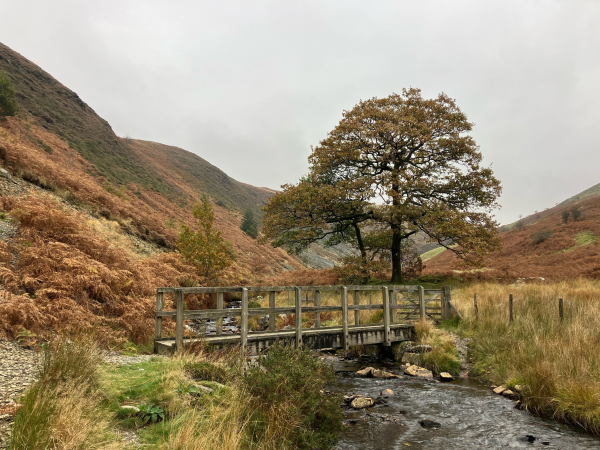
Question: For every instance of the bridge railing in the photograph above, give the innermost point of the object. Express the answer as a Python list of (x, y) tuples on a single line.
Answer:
[(399, 302)]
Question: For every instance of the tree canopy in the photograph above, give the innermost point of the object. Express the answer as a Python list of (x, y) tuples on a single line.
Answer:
[(205, 247), (8, 103), (391, 168)]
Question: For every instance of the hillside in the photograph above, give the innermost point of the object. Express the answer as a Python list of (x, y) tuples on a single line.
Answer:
[(89, 221), (541, 246), (170, 171)]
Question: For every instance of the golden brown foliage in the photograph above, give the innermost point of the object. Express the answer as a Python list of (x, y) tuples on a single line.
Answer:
[(412, 153)]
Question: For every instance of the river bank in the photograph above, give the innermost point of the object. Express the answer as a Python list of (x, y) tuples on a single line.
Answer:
[(556, 359)]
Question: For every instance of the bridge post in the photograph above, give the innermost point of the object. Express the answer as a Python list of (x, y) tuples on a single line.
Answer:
[(158, 320), (346, 335), (394, 302), (298, 317), (179, 320), (244, 330), (422, 312), (386, 316), (271, 313), (219, 306), (356, 297), (317, 296)]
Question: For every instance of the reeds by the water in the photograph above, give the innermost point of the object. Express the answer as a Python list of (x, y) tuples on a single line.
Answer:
[(558, 361)]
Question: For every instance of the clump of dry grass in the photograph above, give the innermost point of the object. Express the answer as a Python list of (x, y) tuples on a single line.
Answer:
[(61, 410), (558, 361)]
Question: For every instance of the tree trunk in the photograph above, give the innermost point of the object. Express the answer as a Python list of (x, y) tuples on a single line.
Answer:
[(361, 245), (396, 254)]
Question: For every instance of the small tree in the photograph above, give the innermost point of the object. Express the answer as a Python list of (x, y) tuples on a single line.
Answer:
[(205, 247), (520, 224), (576, 213), (8, 103), (249, 224), (565, 216), (541, 236)]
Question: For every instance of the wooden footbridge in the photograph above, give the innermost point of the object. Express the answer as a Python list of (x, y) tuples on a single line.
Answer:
[(400, 307)]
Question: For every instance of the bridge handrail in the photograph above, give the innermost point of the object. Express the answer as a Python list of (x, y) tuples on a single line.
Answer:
[(389, 305)]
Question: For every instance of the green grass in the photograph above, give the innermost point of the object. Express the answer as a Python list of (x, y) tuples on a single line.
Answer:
[(581, 239), (431, 253)]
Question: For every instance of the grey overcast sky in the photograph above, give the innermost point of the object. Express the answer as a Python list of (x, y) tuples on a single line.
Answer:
[(251, 85)]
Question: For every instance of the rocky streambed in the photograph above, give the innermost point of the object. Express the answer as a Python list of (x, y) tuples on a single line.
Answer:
[(420, 412)]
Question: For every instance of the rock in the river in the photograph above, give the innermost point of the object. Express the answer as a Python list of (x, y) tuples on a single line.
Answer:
[(418, 348), (520, 388), (499, 390), (376, 373), (366, 372), (386, 393), (509, 394), (411, 358), (416, 371), (361, 402), (426, 423), (445, 376)]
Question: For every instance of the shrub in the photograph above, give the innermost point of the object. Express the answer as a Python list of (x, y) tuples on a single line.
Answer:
[(8, 103), (288, 387), (576, 213), (520, 224), (206, 371), (565, 216), (33, 178), (541, 236)]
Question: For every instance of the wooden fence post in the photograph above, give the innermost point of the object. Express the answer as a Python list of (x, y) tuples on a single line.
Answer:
[(476, 307), (510, 308), (394, 302), (158, 321), (561, 311), (219, 306), (271, 313), (298, 317), (317, 296), (346, 335), (179, 320), (356, 303), (446, 310), (244, 330), (422, 303), (386, 316)]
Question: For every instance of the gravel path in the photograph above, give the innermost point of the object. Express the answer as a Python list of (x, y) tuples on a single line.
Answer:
[(18, 368)]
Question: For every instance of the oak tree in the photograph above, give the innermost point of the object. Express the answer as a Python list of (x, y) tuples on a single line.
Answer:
[(391, 168), (204, 247)]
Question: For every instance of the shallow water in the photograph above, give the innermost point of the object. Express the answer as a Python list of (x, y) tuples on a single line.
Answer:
[(471, 417)]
